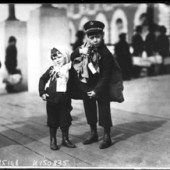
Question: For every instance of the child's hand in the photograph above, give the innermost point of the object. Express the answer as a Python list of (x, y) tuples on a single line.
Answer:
[(44, 96), (91, 94)]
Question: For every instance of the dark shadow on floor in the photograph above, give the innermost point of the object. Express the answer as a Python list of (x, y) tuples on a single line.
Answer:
[(123, 131)]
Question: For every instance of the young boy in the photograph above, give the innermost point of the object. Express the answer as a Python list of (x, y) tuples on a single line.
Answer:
[(53, 89), (93, 77)]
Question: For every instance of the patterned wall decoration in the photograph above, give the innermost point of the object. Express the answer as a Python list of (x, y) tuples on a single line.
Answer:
[(109, 13)]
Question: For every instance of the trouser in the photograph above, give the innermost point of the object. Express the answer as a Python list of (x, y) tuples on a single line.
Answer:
[(90, 106), (58, 114), (154, 70)]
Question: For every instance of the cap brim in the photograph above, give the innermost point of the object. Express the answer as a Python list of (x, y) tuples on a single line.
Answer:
[(93, 32)]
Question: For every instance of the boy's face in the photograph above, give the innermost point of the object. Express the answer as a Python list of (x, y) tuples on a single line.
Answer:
[(95, 40), (58, 59)]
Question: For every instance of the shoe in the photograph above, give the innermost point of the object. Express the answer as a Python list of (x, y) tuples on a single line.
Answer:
[(106, 142), (53, 144), (65, 140), (53, 140), (68, 143), (93, 138)]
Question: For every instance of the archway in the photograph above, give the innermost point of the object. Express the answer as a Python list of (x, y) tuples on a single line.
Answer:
[(101, 17), (141, 10), (163, 16), (119, 24)]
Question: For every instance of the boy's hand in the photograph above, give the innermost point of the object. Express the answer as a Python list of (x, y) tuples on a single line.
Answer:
[(44, 96), (91, 94)]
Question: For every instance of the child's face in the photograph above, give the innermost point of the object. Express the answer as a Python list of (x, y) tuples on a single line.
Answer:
[(95, 40), (58, 59)]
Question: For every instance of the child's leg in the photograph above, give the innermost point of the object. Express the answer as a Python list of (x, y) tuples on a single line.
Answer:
[(53, 139), (65, 139), (65, 120), (53, 123)]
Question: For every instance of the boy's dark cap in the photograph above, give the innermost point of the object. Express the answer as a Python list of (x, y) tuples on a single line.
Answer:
[(93, 27)]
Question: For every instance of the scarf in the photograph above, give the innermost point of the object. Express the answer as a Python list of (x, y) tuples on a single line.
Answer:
[(60, 73), (85, 61)]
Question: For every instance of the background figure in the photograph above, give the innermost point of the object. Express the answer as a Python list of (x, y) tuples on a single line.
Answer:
[(11, 60), (119, 29), (149, 43), (143, 19), (137, 44), (80, 38), (149, 46), (11, 56), (157, 33), (162, 46), (123, 56)]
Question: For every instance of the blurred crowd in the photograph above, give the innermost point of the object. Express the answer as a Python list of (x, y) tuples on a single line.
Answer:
[(147, 55)]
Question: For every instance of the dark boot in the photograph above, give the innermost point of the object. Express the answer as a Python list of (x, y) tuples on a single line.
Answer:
[(53, 139), (93, 136), (106, 139), (10, 89), (65, 140)]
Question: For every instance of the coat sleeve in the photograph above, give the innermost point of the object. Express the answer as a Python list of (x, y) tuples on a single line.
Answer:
[(43, 80), (107, 64), (75, 54)]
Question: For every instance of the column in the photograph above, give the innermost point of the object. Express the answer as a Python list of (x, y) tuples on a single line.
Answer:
[(47, 27), (13, 27)]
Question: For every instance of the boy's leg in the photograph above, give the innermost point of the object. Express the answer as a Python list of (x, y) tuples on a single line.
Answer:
[(104, 112), (105, 121), (90, 108)]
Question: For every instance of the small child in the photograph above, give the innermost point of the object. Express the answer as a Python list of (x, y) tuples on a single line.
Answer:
[(58, 104)]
